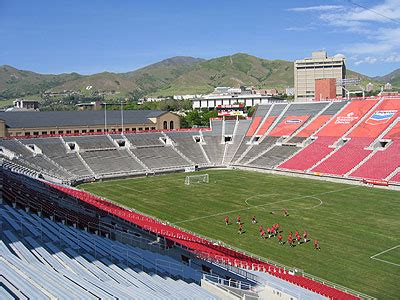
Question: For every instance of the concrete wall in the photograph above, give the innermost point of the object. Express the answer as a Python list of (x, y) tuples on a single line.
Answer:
[(325, 89)]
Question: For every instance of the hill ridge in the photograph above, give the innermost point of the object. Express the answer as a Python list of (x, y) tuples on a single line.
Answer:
[(174, 75)]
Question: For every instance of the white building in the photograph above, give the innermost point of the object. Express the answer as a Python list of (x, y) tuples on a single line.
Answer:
[(213, 100)]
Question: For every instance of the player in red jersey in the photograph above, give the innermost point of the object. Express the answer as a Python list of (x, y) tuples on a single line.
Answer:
[(262, 234), (316, 245), (305, 235), (240, 228), (227, 220), (238, 220), (260, 228), (298, 239), (290, 240), (280, 239), (269, 232)]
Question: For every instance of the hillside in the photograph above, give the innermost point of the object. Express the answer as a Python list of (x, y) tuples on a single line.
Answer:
[(176, 75), (393, 78), (146, 79), (235, 70), (19, 83)]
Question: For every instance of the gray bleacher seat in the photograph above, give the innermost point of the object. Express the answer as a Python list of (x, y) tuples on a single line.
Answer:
[(186, 144), (229, 126), (335, 107), (112, 161), (62, 272), (160, 157), (274, 156), (257, 149), (56, 150), (144, 139), (88, 142)]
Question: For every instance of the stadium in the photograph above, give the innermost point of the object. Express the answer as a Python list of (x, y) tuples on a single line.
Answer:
[(153, 214)]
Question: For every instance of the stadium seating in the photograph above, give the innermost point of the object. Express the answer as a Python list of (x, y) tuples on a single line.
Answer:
[(382, 164), (310, 155), (41, 259), (144, 139), (258, 149), (238, 139), (396, 178), (158, 158), (213, 145), (90, 142), (111, 161), (273, 156), (347, 118), (185, 143), (345, 158), (55, 149)]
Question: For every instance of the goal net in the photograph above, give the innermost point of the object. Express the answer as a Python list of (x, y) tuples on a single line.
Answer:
[(203, 178)]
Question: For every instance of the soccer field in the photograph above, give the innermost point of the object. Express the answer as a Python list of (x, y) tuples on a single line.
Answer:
[(355, 225)]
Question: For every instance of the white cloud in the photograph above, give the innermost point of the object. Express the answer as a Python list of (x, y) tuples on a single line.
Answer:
[(316, 8), (376, 29), (299, 28), (340, 55), (392, 58), (367, 60)]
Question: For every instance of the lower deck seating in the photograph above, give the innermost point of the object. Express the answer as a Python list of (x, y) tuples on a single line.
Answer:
[(310, 155), (396, 178), (77, 264), (274, 156), (111, 161), (185, 143), (214, 148), (160, 157), (296, 139), (241, 149), (257, 149), (346, 157), (381, 164), (56, 150)]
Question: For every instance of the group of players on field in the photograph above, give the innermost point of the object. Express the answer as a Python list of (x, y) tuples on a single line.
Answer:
[(273, 231)]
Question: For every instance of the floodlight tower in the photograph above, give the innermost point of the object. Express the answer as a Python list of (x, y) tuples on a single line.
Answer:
[(349, 82)]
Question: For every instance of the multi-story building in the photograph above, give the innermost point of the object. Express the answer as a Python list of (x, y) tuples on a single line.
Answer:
[(319, 66)]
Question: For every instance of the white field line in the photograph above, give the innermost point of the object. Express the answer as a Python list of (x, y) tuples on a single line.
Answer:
[(261, 205), (263, 195), (385, 261)]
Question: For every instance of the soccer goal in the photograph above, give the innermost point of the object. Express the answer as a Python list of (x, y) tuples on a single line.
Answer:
[(203, 178)]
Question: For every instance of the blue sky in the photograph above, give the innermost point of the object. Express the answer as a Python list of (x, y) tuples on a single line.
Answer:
[(93, 36)]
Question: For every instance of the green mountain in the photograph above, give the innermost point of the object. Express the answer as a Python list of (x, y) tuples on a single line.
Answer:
[(176, 75), (393, 78), (147, 79), (235, 70), (19, 83)]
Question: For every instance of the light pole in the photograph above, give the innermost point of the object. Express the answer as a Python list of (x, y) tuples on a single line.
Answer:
[(122, 117), (105, 117)]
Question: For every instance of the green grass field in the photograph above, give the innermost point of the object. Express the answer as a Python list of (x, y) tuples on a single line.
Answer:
[(352, 223)]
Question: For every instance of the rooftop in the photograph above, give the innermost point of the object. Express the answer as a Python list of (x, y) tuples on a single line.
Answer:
[(33, 119)]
